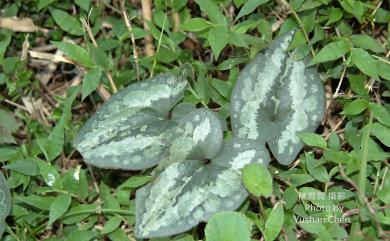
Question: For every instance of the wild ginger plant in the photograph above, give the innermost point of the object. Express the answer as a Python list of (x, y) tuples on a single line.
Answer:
[(276, 97)]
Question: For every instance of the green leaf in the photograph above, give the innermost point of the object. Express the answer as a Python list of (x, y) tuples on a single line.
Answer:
[(384, 191), (77, 218), (67, 22), (275, 98), (366, 42), (332, 51), (59, 207), (380, 113), (44, 3), (8, 125), (99, 57), (382, 133), (335, 15), (190, 192), (75, 53), (249, 7), (365, 62), (228, 226), (5, 198), (91, 81), (356, 8), (355, 107), (84, 4), (218, 38), (195, 25), (112, 225), (211, 10), (135, 182), (25, 166), (257, 180), (274, 223), (127, 131), (312, 139), (55, 141)]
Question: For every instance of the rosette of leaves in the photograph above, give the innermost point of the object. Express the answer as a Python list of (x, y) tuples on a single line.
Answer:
[(276, 97), (5, 202)]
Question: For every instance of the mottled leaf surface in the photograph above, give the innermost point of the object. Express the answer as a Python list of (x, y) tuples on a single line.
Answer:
[(5, 198), (198, 135), (189, 192), (277, 97), (126, 132)]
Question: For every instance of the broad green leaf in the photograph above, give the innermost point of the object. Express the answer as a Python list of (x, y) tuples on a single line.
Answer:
[(59, 207), (356, 8), (135, 181), (75, 53), (55, 141), (112, 224), (212, 11), (366, 42), (382, 133), (81, 235), (84, 4), (335, 15), (380, 113), (218, 38), (44, 3), (195, 25), (312, 139), (355, 107), (85, 210), (8, 125), (275, 98), (332, 51), (99, 57), (40, 202), (384, 70), (91, 81), (257, 180), (190, 192), (228, 226), (274, 223), (290, 197), (365, 62), (127, 131), (5, 198), (249, 7), (316, 168), (67, 22), (25, 166)]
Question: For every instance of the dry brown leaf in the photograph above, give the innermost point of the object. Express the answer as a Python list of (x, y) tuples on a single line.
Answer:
[(20, 24)]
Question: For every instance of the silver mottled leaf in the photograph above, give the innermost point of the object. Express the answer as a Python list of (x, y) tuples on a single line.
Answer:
[(198, 135), (189, 192), (126, 132), (275, 98), (5, 198)]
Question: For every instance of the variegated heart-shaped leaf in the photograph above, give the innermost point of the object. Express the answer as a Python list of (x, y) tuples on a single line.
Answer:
[(126, 132), (5, 201), (197, 135), (277, 97), (190, 192)]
